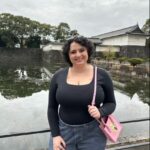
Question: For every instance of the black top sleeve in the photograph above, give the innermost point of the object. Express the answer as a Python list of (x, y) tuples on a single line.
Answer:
[(109, 103), (53, 107)]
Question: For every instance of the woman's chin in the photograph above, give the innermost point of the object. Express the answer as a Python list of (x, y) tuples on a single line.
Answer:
[(79, 63)]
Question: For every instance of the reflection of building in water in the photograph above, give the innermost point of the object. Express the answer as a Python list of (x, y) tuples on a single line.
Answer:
[(22, 73), (22, 82)]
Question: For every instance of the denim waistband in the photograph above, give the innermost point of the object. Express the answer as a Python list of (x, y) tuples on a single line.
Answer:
[(80, 125)]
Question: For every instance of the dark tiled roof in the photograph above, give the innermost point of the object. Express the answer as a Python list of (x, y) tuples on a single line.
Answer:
[(129, 30), (95, 40)]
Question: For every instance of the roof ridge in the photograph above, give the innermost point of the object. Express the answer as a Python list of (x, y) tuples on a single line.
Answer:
[(117, 30)]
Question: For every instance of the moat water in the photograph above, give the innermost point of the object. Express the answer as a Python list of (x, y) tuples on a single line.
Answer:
[(24, 100)]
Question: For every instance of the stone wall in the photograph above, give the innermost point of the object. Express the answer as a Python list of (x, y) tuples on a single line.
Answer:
[(52, 56), (24, 56), (125, 71)]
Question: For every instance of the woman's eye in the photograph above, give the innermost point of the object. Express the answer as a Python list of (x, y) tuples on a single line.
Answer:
[(72, 52), (82, 50)]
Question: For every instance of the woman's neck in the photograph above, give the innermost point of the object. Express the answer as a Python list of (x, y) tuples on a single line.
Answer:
[(80, 68)]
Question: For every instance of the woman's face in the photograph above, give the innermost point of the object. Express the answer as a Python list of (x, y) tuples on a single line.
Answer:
[(78, 54)]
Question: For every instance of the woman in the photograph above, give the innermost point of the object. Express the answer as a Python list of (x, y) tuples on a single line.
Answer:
[(71, 116)]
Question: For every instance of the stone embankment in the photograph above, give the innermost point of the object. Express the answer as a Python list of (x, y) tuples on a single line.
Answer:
[(141, 71)]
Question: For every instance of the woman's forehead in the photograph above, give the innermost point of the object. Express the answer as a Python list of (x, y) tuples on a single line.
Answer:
[(75, 45)]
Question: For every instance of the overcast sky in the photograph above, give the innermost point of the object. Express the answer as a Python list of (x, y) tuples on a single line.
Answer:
[(89, 17)]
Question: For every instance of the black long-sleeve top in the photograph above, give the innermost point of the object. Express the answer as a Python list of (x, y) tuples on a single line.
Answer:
[(70, 102)]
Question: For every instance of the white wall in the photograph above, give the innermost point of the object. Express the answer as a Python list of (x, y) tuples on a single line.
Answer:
[(125, 40), (53, 47), (136, 40), (108, 48), (119, 40)]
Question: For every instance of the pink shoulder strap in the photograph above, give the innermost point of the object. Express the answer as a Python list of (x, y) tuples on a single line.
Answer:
[(95, 86)]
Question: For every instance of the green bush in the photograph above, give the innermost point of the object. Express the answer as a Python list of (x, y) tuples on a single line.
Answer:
[(109, 55), (122, 59), (135, 61)]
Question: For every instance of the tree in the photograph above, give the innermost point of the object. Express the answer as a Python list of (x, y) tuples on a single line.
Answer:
[(62, 32), (2, 42), (7, 39), (74, 33), (108, 55), (22, 27), (33, 42), (146, 27), (135, 61)]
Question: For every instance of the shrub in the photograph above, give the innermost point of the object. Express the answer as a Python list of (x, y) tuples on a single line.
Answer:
[(122, 59), (109, 55), (135, 61)]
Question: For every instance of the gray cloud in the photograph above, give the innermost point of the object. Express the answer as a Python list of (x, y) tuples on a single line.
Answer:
[(89, 18)]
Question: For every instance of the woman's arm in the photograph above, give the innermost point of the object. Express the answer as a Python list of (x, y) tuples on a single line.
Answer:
[(53, 107), (109, 103)]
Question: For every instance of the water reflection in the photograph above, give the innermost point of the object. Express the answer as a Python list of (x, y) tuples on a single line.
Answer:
[(139, 87), (30, 112), (130, 87), (136, 86), (22, 81)]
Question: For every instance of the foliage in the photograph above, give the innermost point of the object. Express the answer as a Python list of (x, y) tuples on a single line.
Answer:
[(135, 61), (21, 29), (108, 55), (2, 42), (146, 30), (122, 59), (8, 39), (62, 32), (33, 42), (74, 33), (146, 26)]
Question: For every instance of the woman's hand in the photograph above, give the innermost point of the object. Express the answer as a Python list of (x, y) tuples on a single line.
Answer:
[(94, 112), (58, 143)]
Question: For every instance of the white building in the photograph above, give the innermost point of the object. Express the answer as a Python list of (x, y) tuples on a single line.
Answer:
[(121, 40), (128, 42)]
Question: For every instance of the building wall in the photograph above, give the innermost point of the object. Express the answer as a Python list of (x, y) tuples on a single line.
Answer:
[(123, 40), (107, 48), (52, 47), (136, 40), (119, 40)]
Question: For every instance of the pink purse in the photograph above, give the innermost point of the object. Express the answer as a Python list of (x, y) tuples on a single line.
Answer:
[(110, 126)]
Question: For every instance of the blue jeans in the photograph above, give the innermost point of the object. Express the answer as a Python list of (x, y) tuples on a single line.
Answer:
[(82, 137)]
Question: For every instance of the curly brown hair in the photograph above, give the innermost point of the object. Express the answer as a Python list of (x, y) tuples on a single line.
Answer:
[(82, 41)]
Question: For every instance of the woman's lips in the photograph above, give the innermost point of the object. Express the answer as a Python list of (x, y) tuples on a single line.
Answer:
[(78, 60)]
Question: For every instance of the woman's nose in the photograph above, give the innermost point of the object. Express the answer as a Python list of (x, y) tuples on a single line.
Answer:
[(78, 54)]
